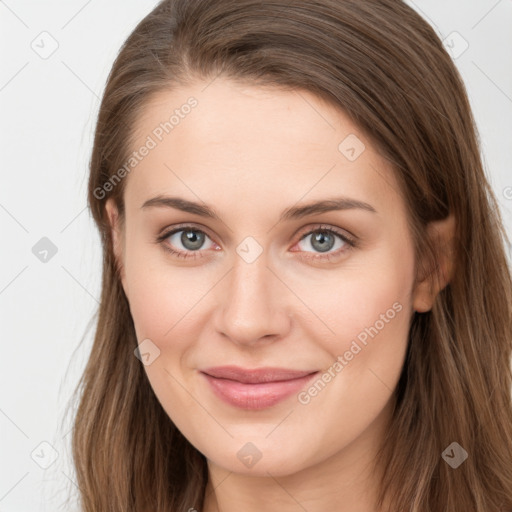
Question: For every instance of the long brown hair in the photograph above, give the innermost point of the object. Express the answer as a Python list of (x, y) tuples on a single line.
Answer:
[(386, 68)]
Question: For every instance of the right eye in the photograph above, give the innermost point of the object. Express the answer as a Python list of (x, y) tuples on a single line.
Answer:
[(190, 238)]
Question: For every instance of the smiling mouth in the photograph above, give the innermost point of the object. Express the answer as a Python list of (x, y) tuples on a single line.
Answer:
[(255, 389)]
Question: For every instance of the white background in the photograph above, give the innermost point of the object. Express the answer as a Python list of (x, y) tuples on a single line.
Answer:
[(48, 110)]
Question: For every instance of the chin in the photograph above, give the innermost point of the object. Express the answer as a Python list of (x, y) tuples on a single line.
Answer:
[(261, 458)]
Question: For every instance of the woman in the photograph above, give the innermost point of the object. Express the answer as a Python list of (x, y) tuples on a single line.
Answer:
[(306, 303)]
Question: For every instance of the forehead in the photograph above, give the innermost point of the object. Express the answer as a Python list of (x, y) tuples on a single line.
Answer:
[(222, 142)]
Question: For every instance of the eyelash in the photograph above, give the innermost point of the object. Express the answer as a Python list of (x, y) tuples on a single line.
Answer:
[(351, 242)]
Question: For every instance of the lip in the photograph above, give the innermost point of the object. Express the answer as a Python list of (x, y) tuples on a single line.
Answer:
[(255, 389)]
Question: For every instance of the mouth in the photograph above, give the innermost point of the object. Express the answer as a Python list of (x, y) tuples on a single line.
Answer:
[(255, 389)]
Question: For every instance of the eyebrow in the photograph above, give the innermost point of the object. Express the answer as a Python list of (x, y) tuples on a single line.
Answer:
[(294, 212)]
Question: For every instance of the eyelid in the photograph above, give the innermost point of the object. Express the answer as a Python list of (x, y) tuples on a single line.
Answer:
[(167, 232), (343, 233)]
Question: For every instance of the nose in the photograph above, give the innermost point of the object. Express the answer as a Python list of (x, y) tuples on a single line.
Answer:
[(253, 306)]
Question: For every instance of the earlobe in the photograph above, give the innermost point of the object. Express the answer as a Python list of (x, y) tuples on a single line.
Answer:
[(442, 236)]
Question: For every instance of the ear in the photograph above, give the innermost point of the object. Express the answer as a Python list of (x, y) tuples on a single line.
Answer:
[(117, 237), (438, 275)]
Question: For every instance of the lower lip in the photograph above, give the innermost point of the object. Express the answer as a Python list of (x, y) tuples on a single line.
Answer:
[(256, 396)]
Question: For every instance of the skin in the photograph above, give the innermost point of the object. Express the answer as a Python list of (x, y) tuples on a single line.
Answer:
[(250, 153)]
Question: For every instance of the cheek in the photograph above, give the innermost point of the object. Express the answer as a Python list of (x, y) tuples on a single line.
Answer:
[(370, 319), (161, 302), (368, 312), (158, 301), (364, 302), (370, 307)]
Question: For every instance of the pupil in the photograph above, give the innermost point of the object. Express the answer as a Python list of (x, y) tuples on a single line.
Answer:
[(321, 237), (193, 239)]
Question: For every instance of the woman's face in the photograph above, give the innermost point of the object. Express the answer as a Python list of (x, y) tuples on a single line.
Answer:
[(293, 254)]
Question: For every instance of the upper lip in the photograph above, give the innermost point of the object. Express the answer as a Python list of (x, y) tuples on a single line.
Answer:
[(256, 375)]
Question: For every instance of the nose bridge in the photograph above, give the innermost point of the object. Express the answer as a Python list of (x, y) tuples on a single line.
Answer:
[(250, 281), (252, 306)]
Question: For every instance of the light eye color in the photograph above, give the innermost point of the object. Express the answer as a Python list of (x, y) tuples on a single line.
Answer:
[(319, 237), (193, 237), (181, 235), (189, 234)]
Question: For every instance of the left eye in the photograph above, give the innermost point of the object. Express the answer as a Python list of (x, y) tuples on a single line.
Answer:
[(325, 240)]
